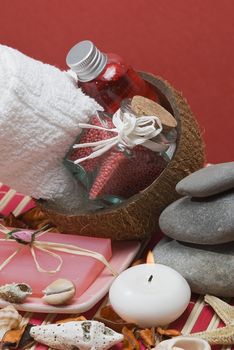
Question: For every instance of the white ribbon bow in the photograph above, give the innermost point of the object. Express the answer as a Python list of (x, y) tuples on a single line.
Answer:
[(131, 131)]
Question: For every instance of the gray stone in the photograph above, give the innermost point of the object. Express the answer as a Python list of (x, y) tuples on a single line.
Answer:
[(208, 181), (203, 221), (207, 269)]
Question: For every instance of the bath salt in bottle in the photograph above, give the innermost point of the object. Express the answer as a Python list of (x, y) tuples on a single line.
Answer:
[(117, 157), (106, 77)]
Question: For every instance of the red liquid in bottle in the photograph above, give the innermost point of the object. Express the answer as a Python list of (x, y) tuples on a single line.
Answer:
[(114, 81)]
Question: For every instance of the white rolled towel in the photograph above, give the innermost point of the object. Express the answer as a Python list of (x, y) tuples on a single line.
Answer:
[(40, 108)]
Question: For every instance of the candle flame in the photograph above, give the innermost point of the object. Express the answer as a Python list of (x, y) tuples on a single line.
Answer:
[(150, 258)]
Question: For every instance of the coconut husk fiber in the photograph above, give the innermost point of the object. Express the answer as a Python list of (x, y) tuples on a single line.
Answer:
[(137, 217)]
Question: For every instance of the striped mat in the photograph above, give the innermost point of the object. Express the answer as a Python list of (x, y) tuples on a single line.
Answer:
[(197, 317)]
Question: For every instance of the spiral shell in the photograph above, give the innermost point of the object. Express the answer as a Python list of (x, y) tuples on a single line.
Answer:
[(15, 292), (9, 319), (183, 343)]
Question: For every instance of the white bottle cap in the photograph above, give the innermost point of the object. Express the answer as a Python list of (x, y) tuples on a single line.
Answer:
[(86, 60)]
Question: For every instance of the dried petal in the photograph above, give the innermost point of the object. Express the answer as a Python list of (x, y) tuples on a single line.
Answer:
[(70, 319), (112, 320), (108, 313), (12, 338), (26, 339), (34, 218), (168, 332), (148, 336), (131, 339), (12, 221), (17, 338), (127, 345)]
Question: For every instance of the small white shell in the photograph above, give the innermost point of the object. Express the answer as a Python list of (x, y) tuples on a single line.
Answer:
[(9, 319), (59, 292), (15, 292), (83, 335), (183, 343)]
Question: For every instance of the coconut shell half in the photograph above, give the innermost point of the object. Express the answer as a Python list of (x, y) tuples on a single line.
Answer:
[(137, 217)]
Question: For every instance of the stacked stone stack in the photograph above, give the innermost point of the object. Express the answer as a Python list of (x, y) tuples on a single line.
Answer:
[(199, 229)]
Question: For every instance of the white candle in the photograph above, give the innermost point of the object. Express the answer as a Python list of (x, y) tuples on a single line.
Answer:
[(150, 295)]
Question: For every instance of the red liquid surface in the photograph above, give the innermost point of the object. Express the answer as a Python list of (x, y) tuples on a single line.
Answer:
[(117, 82)]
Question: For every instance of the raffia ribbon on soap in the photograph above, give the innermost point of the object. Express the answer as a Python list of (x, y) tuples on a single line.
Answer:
[(130, 131), (47, 247)]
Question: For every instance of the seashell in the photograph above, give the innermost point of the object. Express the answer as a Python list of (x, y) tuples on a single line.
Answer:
[(59, 292), (9, 319), (15, 292), (82, 335), (223, 335), (218, 336), (183, 343)]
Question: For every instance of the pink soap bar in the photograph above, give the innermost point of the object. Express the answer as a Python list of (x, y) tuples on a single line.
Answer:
[(82, 270)]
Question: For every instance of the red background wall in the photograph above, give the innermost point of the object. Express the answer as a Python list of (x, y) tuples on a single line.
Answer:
[(188, 42)]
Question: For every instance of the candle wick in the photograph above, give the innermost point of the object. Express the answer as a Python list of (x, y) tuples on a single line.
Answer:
[(150, 278)]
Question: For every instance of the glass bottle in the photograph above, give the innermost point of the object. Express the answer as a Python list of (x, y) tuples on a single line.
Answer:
[(106, 77)]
